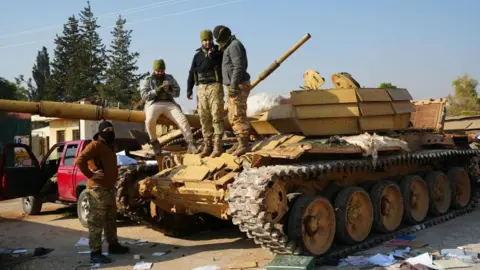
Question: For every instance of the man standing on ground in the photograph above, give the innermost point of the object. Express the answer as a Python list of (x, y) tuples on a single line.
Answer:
[(237, 80), (206, 74), (98, 162), (159, 90)]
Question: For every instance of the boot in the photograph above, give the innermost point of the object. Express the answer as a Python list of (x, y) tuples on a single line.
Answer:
[(232, 149), (242, 146), (116, 248), (157, 149), (192, 149), (98, 257), (207, 148), (217, 147)]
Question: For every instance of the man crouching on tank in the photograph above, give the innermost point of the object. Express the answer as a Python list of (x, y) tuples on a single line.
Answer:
[(158, 91)]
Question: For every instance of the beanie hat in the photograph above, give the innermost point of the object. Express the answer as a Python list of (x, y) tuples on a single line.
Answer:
[(103, 125), (222, 33), (158, 64), (206, 35)]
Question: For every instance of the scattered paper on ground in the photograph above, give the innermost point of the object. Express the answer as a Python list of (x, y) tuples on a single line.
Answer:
[(84, 241), (382, 260), (358, 261), (89, 251), (159, 253), (207, 267), (424, 259), (453, 263), (142, 265), (18, 251)]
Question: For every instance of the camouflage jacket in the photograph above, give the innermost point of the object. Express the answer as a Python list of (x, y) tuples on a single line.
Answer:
[(148, 90)]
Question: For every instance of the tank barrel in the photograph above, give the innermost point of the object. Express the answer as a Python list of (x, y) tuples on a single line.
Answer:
[(84, 111), (280, 60)]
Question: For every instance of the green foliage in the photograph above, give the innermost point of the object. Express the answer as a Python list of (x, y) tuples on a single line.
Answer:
[(40, 74), (465, 101), (10, 90), (121, 78), (65, 80), (386, 85), (92, 55)]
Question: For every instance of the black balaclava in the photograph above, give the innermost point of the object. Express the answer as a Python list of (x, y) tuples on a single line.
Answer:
[(108, 136)]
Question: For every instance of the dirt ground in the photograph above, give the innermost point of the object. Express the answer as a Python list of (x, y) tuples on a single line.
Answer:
[(58, 228)]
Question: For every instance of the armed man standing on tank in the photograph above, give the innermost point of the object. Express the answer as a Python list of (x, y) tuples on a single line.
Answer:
[(205, 72), (237, 80), (98, 162)]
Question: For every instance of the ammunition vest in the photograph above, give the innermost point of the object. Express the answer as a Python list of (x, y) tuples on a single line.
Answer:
[(210, 76)]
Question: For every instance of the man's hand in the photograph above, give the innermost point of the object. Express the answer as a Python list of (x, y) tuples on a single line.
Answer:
[(190, 96), (166, 84), (233, 90), (97, 175)]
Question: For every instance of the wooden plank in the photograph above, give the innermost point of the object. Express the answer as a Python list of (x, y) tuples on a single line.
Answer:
[(376, 108), (333, 96), (327, 111), (373, 94), (401, 107), (399, 94)]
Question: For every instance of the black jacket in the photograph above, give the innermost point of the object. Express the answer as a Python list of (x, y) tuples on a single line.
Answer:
[(201, 64)]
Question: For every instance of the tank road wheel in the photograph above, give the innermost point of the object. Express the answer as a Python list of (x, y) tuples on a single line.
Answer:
[(312, 222), (415, 198), (276, 201), (354, 215), (439, 193), (387, 206), (460, 185)]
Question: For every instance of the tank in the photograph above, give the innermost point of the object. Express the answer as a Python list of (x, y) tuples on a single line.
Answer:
[(331, 172)]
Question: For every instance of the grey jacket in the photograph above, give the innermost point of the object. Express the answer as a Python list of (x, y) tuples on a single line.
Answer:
[(148, 87), (235, 63)]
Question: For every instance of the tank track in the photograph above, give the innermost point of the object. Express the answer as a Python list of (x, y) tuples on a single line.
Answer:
[(197, 134), (247, 191)]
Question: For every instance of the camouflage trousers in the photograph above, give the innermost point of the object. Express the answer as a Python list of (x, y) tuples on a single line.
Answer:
[(210, 109), (237, 110), (102, 216)]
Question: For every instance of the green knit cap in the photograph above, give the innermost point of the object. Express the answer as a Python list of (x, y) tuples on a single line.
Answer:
[(206, 35), (158, 64)]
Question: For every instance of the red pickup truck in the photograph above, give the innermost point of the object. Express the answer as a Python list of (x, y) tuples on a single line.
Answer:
[(27, 179)]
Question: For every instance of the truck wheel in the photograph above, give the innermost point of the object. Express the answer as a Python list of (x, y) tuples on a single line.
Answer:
[(83, 208), (32, 205)]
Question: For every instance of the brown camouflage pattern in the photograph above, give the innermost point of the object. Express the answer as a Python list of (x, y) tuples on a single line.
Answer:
[(210, 109), (101, 216), (237, 110)]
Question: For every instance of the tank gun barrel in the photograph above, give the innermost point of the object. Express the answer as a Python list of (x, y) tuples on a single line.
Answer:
[(280, 60), (84, 111)]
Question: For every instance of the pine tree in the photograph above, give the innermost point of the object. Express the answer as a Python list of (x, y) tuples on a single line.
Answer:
[(40, 74), (64, 83), (121, 78), (92, 55)]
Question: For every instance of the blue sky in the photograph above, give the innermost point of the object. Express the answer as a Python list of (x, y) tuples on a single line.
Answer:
[(421, 45)]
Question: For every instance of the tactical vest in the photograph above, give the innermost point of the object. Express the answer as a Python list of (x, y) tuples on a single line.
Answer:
[(207, 77)]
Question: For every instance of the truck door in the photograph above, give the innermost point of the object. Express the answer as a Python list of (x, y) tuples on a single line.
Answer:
[(19, 172), (65, 174)]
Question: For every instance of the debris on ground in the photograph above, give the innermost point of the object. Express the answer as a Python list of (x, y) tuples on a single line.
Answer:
[(142, 265), (242, 265), (291, 262), (415, 255), (207, 267)]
